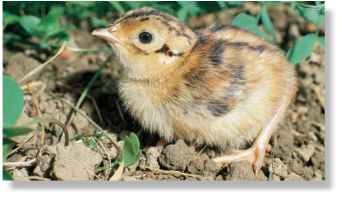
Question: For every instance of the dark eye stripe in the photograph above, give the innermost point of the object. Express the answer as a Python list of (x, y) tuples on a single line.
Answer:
[(166, 50)]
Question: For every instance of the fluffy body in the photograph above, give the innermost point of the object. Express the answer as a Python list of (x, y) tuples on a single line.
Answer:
[(221, 86)]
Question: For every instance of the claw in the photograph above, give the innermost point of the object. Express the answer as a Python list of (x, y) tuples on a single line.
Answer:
[(255, 155)]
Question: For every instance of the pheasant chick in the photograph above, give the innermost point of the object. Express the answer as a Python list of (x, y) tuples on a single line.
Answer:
[(222, 86)]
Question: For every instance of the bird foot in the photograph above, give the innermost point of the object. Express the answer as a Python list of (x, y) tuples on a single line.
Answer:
[(255, 155)]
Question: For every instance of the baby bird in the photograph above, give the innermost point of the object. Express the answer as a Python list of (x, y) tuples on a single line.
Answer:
[(222, 86)]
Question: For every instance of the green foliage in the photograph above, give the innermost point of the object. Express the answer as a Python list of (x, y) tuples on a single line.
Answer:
[(118, 7), (229, 4), (10, 18), (188, 8), (29, 23), (6, 147), (47, 28), (261, 24), (97, 22), (13, 101), (42, 20), (49, 25), (312, 13), (304, 45), (131, 150), (266, 21), (250, 23), (6, 175), (90, 142), (302, 48), (16, 131)]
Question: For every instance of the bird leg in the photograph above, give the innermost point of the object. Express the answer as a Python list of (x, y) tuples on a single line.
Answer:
[(256, 153)]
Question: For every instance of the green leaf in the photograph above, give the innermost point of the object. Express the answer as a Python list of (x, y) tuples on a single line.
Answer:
[(90, 142), (229, 4), (10, 18), (272, 3), (10, 37), (131, 150), (163, 7), (50, 25), (192, 7), (222, 4), (13, 101), (29, 23), (5, 150), (245, 20), (134, 4), (232, 4), (182, 14), (117, 6), (266, 21), (6, 175), (16, 131), (313, 13), (96, 22), (249, 23), (7, 146), (302, 48)]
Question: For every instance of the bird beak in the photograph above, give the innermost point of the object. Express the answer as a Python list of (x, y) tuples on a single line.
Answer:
[(105, 34)]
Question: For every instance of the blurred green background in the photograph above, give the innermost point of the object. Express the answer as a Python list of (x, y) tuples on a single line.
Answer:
[(43, 19), (44, 25)]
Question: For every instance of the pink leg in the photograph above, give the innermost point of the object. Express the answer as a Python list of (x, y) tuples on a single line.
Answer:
[(255, 154)]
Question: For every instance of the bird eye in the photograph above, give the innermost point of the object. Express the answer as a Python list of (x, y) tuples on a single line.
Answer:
[(145, 37)]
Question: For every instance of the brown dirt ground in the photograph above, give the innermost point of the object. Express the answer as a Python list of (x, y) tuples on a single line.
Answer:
[(298, 151)]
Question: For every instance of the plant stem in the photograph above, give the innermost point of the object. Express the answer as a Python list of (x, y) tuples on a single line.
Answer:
[(20, 164), (42, 66), (86, 91)]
